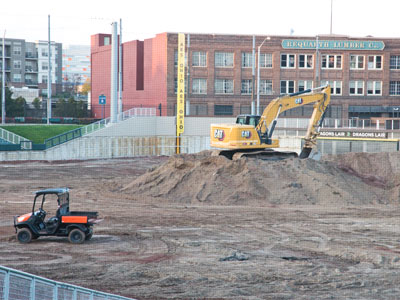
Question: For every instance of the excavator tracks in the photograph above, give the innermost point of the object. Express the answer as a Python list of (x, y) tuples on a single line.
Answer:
[(265, 154)]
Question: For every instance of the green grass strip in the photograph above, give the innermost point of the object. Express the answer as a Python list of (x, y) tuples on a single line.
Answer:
[(39, 133)]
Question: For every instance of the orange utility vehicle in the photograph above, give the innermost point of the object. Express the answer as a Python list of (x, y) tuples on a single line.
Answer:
[(76, 225)]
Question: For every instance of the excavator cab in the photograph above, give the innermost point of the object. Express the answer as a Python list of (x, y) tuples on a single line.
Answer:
[(248, 120)]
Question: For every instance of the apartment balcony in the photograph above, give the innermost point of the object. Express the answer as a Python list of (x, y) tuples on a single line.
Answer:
[(7, 55), (30, 69), (29, 55), (30, 82)]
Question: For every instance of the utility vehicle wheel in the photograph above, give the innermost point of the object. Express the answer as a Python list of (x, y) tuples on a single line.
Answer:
[(76, 236), (24, 235)]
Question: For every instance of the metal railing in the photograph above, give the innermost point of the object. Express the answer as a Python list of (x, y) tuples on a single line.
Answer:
[(17, 285), (63, 138), (139, 112), (76, 133), (11, 137), (95, 126)]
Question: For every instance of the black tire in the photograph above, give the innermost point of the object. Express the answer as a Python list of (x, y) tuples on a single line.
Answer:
[(76, 236), (24, 235)]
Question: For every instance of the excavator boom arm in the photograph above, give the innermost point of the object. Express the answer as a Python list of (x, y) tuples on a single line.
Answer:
[(291, 101)]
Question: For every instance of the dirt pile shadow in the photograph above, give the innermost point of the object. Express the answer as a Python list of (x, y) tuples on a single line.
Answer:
[(202, 178)]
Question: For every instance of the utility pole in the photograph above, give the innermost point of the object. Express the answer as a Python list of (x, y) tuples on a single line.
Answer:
[(3, 82), (120, 72), (114, 74), (317, 75), (49, 81), (331, 16), (253, 75), (258, 73)]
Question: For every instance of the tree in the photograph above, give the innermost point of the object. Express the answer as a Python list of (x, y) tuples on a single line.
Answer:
[(36, 103), (71, 108), (60, 107), (14, 107), (86, 87), (8, 95)]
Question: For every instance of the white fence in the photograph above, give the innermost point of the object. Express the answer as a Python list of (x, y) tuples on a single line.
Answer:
[(11, 137), (17, 285)]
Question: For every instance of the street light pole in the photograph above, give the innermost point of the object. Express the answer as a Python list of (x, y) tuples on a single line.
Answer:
[(3, 82), (258, 74)]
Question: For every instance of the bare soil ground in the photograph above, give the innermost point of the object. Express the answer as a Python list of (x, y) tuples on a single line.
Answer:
[(195, 226)]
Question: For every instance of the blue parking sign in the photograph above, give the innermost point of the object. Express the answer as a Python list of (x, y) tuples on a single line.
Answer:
[(102, 99)]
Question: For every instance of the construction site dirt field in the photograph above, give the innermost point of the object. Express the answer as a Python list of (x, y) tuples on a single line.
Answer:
[(203, 227)]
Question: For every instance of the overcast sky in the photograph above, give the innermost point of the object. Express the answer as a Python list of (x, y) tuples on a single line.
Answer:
[(73, 22)]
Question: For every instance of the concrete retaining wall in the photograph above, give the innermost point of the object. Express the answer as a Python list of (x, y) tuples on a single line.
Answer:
[(160, 126), (136, 137), (112, 147)]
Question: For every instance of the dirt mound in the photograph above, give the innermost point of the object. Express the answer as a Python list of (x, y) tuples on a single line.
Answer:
[(198, 178), (375, 169)]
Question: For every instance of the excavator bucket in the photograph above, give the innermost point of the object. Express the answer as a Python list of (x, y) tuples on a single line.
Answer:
[(310, 153), (305, 152)]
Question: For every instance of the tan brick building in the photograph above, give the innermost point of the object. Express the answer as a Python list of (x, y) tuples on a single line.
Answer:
[(364, 73)]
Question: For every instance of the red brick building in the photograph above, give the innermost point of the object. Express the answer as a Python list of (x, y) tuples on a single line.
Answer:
[(364, 73)]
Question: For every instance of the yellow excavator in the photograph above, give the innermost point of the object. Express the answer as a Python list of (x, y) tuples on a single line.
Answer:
[(251, 136)]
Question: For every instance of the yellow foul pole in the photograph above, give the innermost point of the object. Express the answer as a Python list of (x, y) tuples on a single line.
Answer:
[(180, 108)]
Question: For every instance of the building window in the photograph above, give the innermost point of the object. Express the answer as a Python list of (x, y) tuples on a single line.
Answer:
[(336, 87), (199, 59), (223, 110), (374, 62), (356, 88), (17, 64), (265, 87), (374, 88), (356, 62), (305, 85), (394, 88), (287, 60), (247, 87), (176, 58), (223, 59), (45, 53), (287, 86), (17, 50), (247, 60), (44, 79), (331, 62), (199, 86), (224, 86), (198, 110), (17, 78), (265, 60), (395, 62), (106, 40), (305, 61), (245, 109), (45, 66), (176, 85)]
